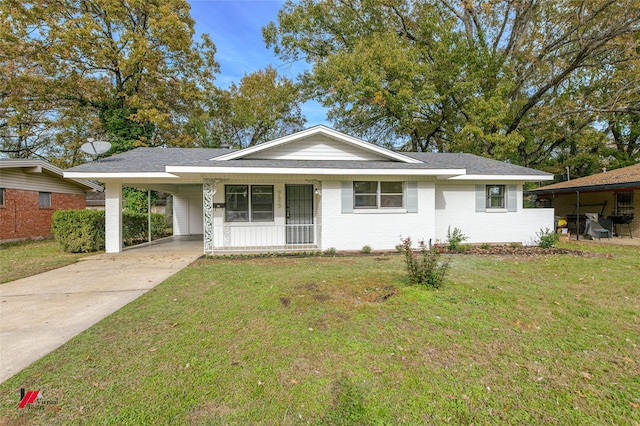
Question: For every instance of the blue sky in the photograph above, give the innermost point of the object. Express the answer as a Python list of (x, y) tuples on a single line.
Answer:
[(235, 26)]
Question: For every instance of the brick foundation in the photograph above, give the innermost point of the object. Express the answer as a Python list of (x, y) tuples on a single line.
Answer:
[(21, 216)]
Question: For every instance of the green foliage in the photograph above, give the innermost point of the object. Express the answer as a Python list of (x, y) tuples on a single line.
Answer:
[(366, 249), (79, 231), (83, 231), (129, 72), (124, 133), (136, 200), (488, 78), (424, 267), (455, 239), (547, 238), (135, 226)]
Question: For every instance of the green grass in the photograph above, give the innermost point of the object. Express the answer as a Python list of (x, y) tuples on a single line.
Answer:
[(26, 258), (542, 340)]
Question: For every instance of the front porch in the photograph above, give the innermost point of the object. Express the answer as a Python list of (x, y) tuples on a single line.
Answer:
[(234, 238)]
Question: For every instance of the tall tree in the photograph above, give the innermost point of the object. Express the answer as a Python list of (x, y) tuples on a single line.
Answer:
[(132, 65), (263, 106), (514, 79)]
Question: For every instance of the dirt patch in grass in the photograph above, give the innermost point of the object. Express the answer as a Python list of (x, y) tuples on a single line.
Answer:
[(210, 410), (371, 293), (321, 297)]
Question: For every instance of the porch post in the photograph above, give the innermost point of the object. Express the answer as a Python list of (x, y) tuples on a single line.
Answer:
[(208, 191), (113, 217)]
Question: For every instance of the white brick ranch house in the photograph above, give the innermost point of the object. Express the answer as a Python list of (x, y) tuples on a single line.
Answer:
[(319, 189)]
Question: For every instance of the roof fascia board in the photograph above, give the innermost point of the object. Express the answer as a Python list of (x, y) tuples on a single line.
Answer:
[(117, 175), (313, 131), (313, 171), (31, 166), (534, 178)]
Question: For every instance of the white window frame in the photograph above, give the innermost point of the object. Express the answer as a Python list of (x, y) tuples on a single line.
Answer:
[(511, 196), (250, 205), (379, 196), (490, 197)]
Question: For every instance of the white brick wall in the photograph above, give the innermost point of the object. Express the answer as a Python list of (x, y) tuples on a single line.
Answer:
[(455, 207), (440, 205), (381, 231)]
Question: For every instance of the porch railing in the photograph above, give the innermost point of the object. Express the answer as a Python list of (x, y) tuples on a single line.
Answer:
[(265, 238)]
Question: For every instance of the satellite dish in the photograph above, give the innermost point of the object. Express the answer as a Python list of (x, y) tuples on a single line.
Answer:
[(96, 148)]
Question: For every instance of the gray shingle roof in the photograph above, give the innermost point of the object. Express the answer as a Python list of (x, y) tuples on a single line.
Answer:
[(156, 159), (148, 160), (474, 164)]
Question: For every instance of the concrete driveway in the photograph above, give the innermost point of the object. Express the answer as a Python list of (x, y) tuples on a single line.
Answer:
[(40, 313)]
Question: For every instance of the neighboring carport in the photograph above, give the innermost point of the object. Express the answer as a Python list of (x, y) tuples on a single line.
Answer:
[(614, 195)]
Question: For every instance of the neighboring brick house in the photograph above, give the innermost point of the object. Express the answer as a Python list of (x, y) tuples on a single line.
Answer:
[(30, 191)]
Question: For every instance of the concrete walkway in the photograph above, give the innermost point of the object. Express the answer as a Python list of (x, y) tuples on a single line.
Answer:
[(40, 313)]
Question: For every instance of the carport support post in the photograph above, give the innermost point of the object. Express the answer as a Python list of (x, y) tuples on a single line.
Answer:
[(209, 187), (577, 215), (149, 213), (113, 217)]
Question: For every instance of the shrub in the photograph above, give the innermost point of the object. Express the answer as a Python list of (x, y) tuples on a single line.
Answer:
[(79, 231), (331, 251), (485, 246), (365, 249), (547, 238), (455, 239), (424, 267)]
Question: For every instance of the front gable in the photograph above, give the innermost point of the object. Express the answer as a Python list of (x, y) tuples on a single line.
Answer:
[(316, 147), (318, 143)]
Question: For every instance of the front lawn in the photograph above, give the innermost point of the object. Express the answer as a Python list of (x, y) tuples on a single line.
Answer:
[(25, 258), (508, 340)]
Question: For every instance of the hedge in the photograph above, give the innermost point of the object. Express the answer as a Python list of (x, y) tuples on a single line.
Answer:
[(83, 231), (79, 231)]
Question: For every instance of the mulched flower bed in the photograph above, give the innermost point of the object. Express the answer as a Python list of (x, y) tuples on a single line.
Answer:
[(508, 250)]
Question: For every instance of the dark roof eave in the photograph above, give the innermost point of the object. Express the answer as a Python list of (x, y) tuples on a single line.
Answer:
[(586, 188)]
